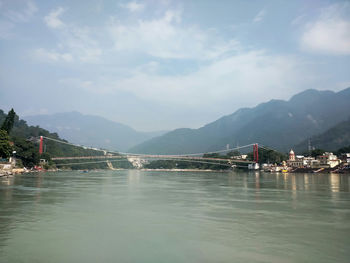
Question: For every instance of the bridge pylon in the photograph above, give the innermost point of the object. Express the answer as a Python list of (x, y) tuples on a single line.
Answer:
[(256, 152), (41, 145)]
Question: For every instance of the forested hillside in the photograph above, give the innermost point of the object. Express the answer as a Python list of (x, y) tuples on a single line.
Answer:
[(25, 140), (331, 140)]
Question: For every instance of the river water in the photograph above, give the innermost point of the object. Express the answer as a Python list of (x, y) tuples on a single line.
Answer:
[(138, 216)]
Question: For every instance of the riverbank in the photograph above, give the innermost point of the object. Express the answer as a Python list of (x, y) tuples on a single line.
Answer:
[(14, 171), (342, 170), (8, 172)]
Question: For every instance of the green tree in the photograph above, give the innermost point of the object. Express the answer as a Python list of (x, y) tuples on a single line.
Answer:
[(26, 151), (317, 152), (268, 156), (9, 121), (343, 150), (5, 147)]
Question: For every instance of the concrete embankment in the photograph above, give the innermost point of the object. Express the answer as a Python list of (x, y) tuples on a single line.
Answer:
[(12, 171), (322, 170)]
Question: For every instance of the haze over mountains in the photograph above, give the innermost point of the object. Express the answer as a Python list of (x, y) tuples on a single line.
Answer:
[(91, 130), (278, 124)]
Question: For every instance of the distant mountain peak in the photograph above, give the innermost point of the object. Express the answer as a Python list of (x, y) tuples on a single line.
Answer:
[(310, 94), (92, 130)]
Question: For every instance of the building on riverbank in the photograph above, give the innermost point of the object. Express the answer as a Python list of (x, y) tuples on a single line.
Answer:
[(295, 161), (328, 160), (345, 157), (311, 162)]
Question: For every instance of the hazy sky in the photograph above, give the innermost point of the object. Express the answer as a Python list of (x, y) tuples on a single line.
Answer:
[(166, 64)]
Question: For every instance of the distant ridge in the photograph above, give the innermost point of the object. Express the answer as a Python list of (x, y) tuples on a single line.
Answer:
[(277, 123), (91, 130), (331, 140)]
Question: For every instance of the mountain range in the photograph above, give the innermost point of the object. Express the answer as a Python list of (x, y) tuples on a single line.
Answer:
[(89, 130), (278, 124)]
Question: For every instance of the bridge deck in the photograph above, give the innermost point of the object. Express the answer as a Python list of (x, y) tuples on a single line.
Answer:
[(168, 157)]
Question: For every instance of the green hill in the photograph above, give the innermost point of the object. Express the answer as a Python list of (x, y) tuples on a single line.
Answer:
[(331, 140), (26, 145)]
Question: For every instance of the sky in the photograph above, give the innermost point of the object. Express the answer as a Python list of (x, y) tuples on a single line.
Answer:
[(162, 64)]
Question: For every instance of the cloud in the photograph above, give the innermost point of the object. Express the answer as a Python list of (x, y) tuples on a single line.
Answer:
[(74, 42), (9, 18), (260, 16), (81, 42), (133, 6), (52, 56), (225, 69), (24, 15), (329, 33), (167, 38), (298, 20), (52, 19), (6, 29), (250, 76)]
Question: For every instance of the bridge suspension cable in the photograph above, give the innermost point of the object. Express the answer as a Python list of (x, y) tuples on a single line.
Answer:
[(139, 154), (67, 164)]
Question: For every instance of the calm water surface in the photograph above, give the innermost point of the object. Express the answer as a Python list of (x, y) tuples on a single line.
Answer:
[(135, 216)]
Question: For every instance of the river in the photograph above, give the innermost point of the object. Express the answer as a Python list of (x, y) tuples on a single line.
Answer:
[(139, 216)]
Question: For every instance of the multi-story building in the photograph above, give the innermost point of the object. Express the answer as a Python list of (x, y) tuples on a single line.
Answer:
[(328, 160), (345, 157), (311, 162)]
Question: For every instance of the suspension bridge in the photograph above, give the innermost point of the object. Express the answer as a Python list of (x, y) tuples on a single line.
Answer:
[(113, 156)]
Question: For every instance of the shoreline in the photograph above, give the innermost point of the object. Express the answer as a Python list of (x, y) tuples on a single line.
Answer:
[(297, 171)]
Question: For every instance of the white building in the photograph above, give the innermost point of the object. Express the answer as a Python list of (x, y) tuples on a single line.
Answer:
[(311, 162), (345, 157), (328, 160)]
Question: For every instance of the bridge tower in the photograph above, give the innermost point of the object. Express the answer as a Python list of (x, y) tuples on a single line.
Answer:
[(256, 153), (41, 145)]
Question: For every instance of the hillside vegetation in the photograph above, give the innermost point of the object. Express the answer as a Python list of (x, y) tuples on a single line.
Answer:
[(25, 140), (331, 140)]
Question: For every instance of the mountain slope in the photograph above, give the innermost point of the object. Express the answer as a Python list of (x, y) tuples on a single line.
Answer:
[(91, 130), (277, 123), (331, 140), (26, 144)]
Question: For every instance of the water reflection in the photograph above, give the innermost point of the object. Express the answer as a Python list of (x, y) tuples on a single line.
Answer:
[(306, 182), (134, 178), (334, 180), (257, 186), (236, 210)]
